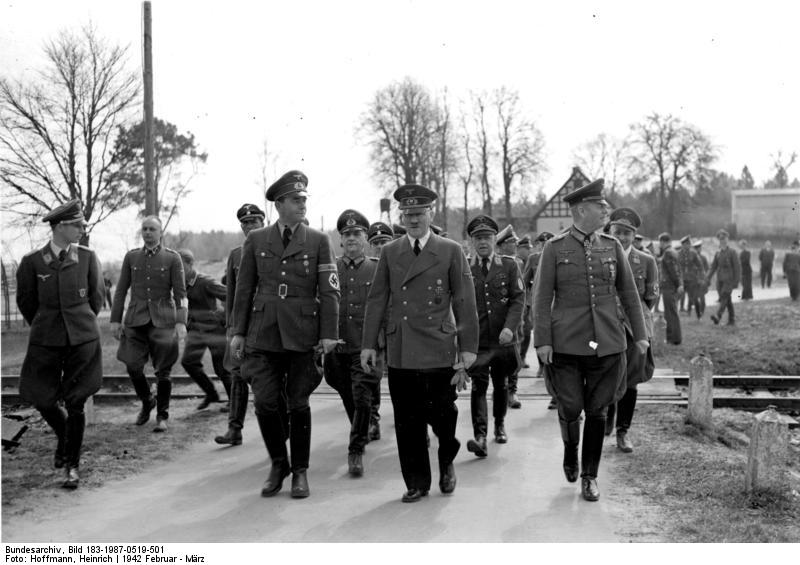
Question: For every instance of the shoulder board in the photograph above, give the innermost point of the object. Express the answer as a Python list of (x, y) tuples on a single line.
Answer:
[(508, 258), (237, 248), (31, 253), (85, 248), (560, 236), (170, 250), (607, 236), (375, 259)]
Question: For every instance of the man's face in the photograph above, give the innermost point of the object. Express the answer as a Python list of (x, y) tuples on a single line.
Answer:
[(354, 242), (623, 234), (151, 232), (685, 245), (483, 244), (723, 242), (417, 221), (188, 269), (637, 243), (71, 233), (664, 244), (377, 246), (250, 224), (508, 248), (291, 208), (523, 252), (595, 215)]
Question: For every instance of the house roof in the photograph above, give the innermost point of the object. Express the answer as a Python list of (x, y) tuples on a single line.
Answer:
[(556, 207)]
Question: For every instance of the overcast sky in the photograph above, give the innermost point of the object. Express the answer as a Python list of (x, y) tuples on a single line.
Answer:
[(301, 73)]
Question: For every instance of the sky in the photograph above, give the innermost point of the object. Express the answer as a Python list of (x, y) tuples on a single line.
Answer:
[(300, 74)]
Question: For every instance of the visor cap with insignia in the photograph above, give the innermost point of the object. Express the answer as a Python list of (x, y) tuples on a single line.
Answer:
[(248, 211), (722, 233), (697, 243), (544, 236), (507, 235), (687, 239), (414, 196), (380, 231), (664, 236), (68, 213), (592, 192), (291, 182), (482, 224), (638, 237), (438, 230), (398, 230), (352, 219), (625, 217), (524, 241)]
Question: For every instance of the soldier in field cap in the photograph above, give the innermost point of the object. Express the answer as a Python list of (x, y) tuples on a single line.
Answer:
[(500, 300), (285, 311), (424, 287), (584, 278), (343, 372), (726, 266), (59, 293)]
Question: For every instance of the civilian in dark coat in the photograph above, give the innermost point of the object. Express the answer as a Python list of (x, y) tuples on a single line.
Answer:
[(766, 256), (791, 270), (747, 271), (59, 293)]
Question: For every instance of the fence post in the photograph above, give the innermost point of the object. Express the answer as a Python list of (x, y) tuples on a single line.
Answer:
[(766, 456), (701, 391)]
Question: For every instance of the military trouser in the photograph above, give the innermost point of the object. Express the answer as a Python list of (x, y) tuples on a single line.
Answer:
[(192, 361), (671, 315), (356, 388), (497, 363), (160, 345), (725, 302)]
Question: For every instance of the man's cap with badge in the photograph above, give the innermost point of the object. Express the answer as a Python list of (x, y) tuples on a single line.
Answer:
[(414, 196), (697, 243), (626, 218), (380, 231), (687, 239), (291, 182), (592, 192), (524, 241), (544, 236), (248, 211), (638, 237), (481, 225), (438, 230), (722, 233), (68, 213), (506, 235), (352, 219)]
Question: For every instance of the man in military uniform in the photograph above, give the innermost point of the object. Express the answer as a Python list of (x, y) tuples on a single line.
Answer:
[(638, 243), (59, 293), (671, 284), (726, 266), (583, 291), (424, 282), (343, 371), (500, 299), (507, 242), (379, 234), (286, 306), (524, 249), (692, 273), (528, 277), (766, 258), (791, 269), (206, 330), (250, 217), (155, 319), (623, 224), (702, 286)]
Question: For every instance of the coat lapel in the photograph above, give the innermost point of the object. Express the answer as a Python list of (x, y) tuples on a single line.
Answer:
[(297, 242), (47, 256), (425, 260), (495, 267)]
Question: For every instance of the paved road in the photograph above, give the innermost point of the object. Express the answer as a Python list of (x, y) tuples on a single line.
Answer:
[(208, 493)]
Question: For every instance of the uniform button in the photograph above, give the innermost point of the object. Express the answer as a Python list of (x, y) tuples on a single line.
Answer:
[(351, 292), (592, 286), (430, 318), (405, 317), (283, 273), (284, 261), (404, 302), (349, 317), (429, 303), (590, 268), (593, 305), (404, 288), (352, 279)]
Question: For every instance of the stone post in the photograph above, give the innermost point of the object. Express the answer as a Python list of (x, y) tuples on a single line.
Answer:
[(701, 391), (659, 335), (766, 456)]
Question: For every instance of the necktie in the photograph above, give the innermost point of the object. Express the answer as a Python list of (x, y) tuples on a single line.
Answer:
[(485, 266), (287, 236), (416, 247), (62, 255)]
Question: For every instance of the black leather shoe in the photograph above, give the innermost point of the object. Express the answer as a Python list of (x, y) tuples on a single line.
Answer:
[(232, 437), (144, 413), (413, 495), (513, 400), (447, 481), (300, 485), (589, 489), (374, 431), (161, 426), (553, 404), (623, 443), (478, 446), (272, 486), (500, 433), (354, 464), (206, 402), (714, 319), (72, 479)]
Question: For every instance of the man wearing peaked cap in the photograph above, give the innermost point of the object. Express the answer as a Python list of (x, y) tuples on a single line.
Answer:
[(423, 292), (670, 282), (528, 276), (500, 300), (791, 270), (378, 235), (726, 265), (623, 224), (59, 293), (578, 333), (507, 241), (285, 311), (693, 275), (293, 182), (637, 242), (250, 217), (356, 387)]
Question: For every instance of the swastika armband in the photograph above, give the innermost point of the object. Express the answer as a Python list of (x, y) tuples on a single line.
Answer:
[(324, 267)]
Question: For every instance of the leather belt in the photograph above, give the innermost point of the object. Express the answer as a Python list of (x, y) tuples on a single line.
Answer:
[(283, 290)]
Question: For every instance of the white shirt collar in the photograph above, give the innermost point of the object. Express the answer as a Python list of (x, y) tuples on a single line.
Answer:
[(282, 226), (422, 240), (56, 249)]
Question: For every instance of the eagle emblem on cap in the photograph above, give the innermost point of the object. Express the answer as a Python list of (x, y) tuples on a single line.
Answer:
[(409, 191), (298, 176)]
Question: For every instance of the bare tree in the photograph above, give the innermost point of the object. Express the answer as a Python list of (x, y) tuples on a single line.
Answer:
[(444, 160), (673, 154), (398, 126), (521, 144), (57, 133), (479, 103), (606, 157), (467, 169), (267, 172), (781, 168)]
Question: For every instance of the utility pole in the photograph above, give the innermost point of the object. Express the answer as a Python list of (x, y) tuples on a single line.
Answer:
[(150, 190)]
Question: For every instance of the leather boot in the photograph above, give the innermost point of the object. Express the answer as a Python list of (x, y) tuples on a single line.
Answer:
[(612, 409), (205, 384), (76, 423), (623, 443), (374, 430), (592, 448), (625, 409), (279, 471), (570, 434), (300, 484), (300, 438), (72, 479), (359, 429), (163, 394), (500, 432), (56, 418), (478, 446), (355, 465), (142, 388), (272, 433), (513, 400), (232, 437)]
